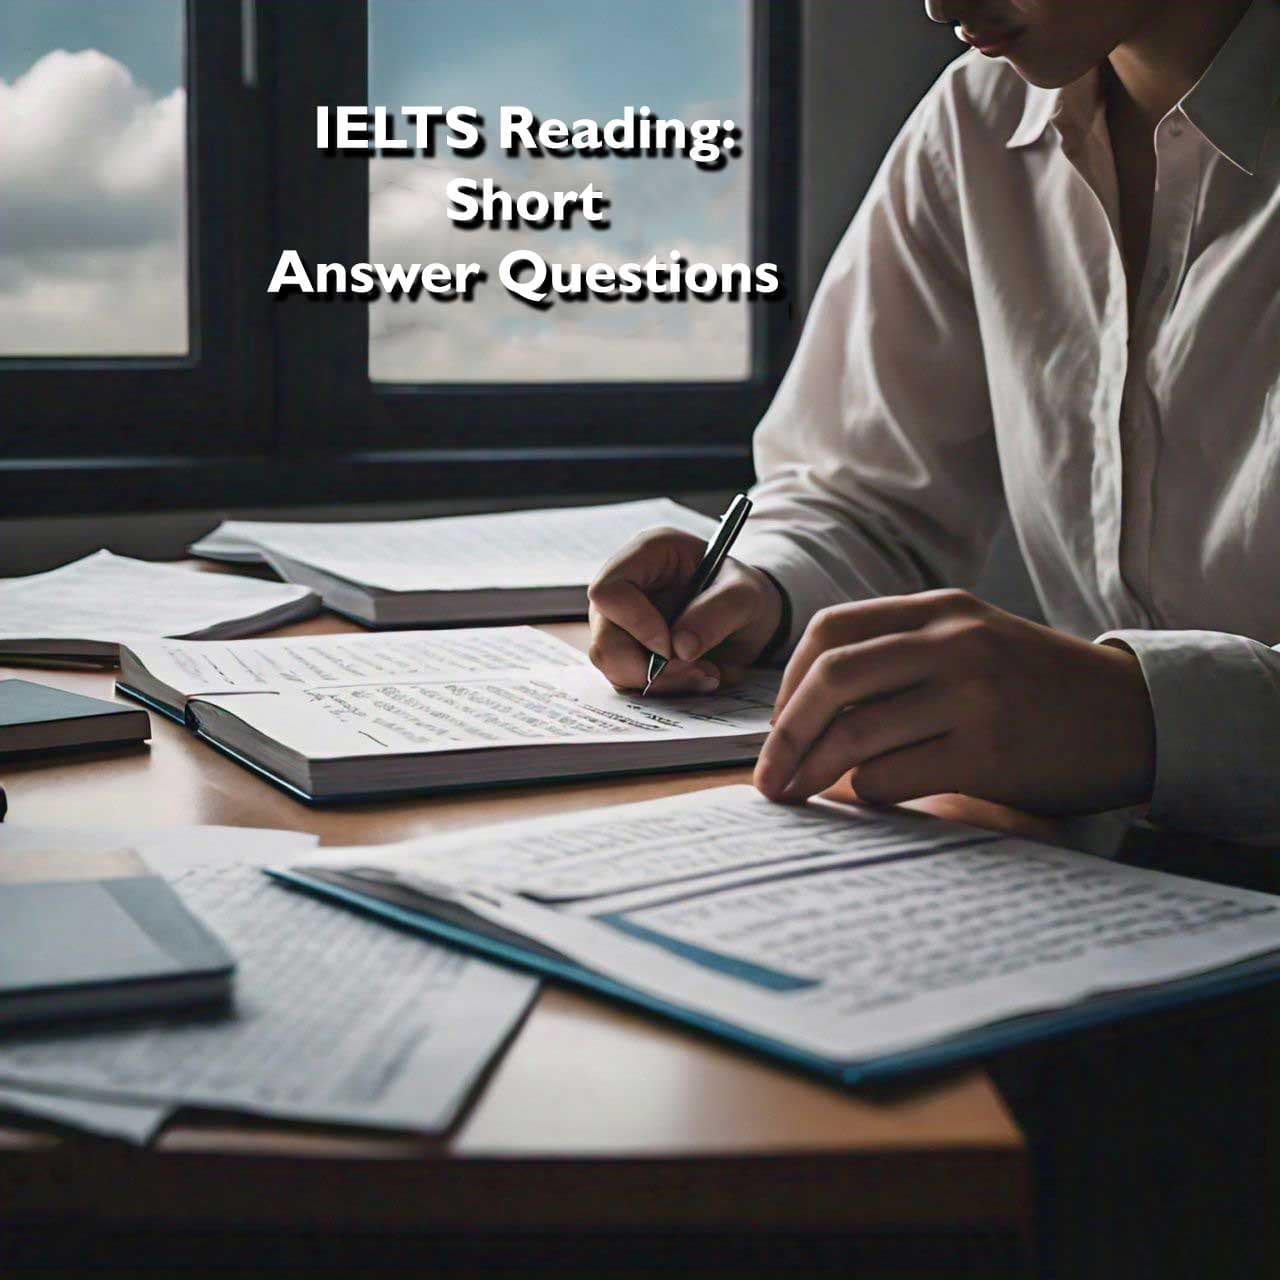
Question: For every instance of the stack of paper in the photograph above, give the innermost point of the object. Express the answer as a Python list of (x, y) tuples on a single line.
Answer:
[(334, 1019), (347, 717), (83, 611), (512, 567), (859, 944)]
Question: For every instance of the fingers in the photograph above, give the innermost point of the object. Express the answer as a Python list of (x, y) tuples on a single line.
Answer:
[(625, 663), (866, 732), (924, 769), (647, 568), (852, 624), (627, 609), (727, 606), (834, 681)]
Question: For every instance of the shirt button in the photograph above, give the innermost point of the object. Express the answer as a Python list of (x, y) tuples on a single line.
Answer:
[(1176, 131)]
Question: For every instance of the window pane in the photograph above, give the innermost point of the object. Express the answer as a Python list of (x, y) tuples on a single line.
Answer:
[(567, 60), (93, 123)]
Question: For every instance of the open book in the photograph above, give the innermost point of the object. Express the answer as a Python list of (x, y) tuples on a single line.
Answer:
[(858, 944), (351, 717), (83, 611), (511, 567)]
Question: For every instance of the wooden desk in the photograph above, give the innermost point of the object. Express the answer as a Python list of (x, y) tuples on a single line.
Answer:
[(595, 1125)]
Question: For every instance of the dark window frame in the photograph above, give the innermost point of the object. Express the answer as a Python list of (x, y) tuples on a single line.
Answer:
[(275, 408)]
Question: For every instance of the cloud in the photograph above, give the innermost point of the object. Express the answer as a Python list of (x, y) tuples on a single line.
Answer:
[(93, 248), (92, 201), (658, 204)]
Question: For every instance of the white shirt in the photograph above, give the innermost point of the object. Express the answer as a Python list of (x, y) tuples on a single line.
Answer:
[(971, 344)]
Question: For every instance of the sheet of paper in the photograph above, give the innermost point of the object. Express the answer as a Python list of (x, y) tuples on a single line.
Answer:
[(558, 547), (572, 705), (135, 1122), (862, 952), (725, 832), (335, 1018), (109, 598), (282, 664)]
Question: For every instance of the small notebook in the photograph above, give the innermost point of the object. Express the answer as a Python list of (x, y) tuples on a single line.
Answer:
[(84, 610), (85, 937), (37, 718), (349, 717), (857, 944), (514, 566)]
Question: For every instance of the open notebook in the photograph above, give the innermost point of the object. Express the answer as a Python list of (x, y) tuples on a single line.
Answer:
[(351, 717), (83, 611), (511, 567), (861, 945)]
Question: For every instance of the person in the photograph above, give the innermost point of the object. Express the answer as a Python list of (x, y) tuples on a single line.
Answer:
[(1061, 292)]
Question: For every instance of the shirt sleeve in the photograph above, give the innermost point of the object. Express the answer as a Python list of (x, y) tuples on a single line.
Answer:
[(876, 463), (1216, 701)]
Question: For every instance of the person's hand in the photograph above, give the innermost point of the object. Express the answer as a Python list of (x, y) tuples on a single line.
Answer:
[(934, 693), (712, 643)]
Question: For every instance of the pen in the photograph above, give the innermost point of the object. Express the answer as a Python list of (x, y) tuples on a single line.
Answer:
[(704, 575)]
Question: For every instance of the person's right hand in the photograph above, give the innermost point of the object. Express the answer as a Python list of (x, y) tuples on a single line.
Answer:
[(712, 643)]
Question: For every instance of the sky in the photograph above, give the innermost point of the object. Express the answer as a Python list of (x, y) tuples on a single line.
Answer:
[(92, 181)]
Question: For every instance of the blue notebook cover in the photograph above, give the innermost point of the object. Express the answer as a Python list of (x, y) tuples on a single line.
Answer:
[(981, 1042)]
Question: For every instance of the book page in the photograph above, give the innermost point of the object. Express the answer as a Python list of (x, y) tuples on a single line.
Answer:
[(109, 598), (556, 547), (876, 949), (335, 1018), (308, 662), (572, 705)]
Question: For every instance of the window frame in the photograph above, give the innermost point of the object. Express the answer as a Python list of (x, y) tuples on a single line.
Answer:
[(88, 433), (275, 408)]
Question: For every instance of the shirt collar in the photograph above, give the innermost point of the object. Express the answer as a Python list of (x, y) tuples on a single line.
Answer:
[(1068, 109), (1234, 104), (1237, 100)]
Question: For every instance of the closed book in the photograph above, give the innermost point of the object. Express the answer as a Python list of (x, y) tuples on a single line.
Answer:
[(35, 717), (116, 943)]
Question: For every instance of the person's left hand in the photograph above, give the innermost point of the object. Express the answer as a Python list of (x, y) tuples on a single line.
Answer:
[(938, 692)]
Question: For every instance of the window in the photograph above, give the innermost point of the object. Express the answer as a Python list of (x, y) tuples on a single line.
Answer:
[(93, 179), (574, 61), (156, 156)]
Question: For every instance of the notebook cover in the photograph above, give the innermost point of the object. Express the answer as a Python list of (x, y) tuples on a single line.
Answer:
[(981, 1042), (24, 702), (90, 937)]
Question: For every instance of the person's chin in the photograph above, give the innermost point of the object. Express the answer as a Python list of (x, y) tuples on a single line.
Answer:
[(1045, 73)]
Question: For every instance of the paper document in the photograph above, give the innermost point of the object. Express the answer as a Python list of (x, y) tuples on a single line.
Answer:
[(335, 1018), (135, 1122), (849, 934), (521, 549), (284, 664), (105, 599), (564, 707)]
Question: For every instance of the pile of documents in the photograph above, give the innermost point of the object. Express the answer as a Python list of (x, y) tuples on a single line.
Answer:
[(333, 1017), (83, 611), (513, 567), (860, 945)]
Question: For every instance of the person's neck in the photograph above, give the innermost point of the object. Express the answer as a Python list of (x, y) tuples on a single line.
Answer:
[(1162, 61)]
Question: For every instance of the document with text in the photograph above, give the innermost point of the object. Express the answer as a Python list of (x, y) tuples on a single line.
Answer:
[(87, 609), (346, 716), (507, 566), (854, 939)]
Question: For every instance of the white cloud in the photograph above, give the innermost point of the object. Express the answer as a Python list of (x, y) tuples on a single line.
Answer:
[(659, 204), (92, 202)]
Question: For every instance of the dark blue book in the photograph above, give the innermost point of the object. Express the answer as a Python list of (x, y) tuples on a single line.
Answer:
[(37, 718), (90, 947)]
